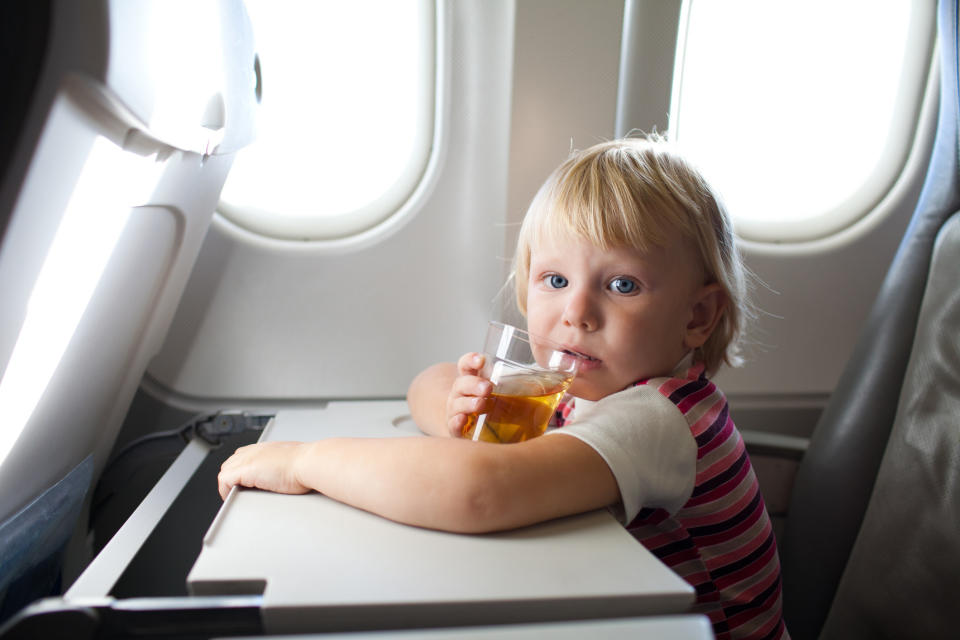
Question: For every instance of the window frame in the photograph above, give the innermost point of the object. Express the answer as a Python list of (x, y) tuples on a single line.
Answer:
[(912, 84), (278, 225)]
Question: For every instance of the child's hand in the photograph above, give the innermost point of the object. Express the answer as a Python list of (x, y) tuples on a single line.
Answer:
[(469, 393), (268, 465)]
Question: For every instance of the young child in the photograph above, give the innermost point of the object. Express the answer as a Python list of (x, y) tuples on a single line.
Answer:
[(627, 257)]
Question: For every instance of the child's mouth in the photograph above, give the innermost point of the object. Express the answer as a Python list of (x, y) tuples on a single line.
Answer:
[(581, 355)]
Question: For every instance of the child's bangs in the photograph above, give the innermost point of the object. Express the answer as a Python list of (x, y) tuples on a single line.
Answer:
[(606, 212)]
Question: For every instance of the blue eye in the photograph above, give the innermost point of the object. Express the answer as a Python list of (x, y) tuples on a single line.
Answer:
[(555, 281), (623, 285)]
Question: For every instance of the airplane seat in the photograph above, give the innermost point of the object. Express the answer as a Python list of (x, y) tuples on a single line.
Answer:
[(111, 173), (870, 547)]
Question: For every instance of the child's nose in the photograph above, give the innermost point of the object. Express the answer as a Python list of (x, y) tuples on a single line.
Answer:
[(581, 312)]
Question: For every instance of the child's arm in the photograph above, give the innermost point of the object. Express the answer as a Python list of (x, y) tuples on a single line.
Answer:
[(439, 483), (441, 396)]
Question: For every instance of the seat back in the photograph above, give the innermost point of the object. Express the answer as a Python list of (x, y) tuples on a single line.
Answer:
[(107, 193), (872, 419), (903, 576)]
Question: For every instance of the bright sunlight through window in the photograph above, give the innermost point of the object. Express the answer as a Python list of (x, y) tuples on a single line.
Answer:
[(346, 119), (800, 113)]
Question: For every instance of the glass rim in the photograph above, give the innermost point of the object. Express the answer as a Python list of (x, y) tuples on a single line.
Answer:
[(532, 339)]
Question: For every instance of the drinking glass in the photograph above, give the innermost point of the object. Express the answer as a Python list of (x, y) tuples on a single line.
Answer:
[(529, 375)]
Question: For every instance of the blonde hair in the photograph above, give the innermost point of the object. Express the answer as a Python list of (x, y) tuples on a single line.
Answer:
[(630, 193)]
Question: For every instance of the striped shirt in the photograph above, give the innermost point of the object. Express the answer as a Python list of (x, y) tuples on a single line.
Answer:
[(721, 540)]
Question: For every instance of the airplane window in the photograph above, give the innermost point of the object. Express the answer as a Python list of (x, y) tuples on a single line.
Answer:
[(801, 113), (346, 119)]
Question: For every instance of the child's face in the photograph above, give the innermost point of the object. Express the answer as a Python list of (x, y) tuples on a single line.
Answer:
[(631, 312)]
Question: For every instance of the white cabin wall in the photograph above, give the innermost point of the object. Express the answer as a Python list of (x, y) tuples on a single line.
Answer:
[(566, 61)]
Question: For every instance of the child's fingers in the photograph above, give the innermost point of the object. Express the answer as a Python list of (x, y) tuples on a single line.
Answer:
[(225, 482), (469, 395), (470, 364), (456, 423), (471, 386), (229, 475), (262, 466), (224, 485), (463, 405)]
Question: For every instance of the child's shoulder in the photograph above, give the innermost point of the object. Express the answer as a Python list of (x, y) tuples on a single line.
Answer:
[(688, 373), (638, 402)]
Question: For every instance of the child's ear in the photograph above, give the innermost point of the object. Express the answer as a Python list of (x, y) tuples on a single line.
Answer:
[(709, 303)]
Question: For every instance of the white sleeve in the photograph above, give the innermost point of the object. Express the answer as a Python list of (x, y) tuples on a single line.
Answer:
[(646, 442)]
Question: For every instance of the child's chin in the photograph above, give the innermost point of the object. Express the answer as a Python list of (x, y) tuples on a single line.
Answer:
[(583, 389)]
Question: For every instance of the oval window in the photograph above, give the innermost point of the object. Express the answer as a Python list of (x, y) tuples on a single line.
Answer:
[(801, 113), (346, 120)]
